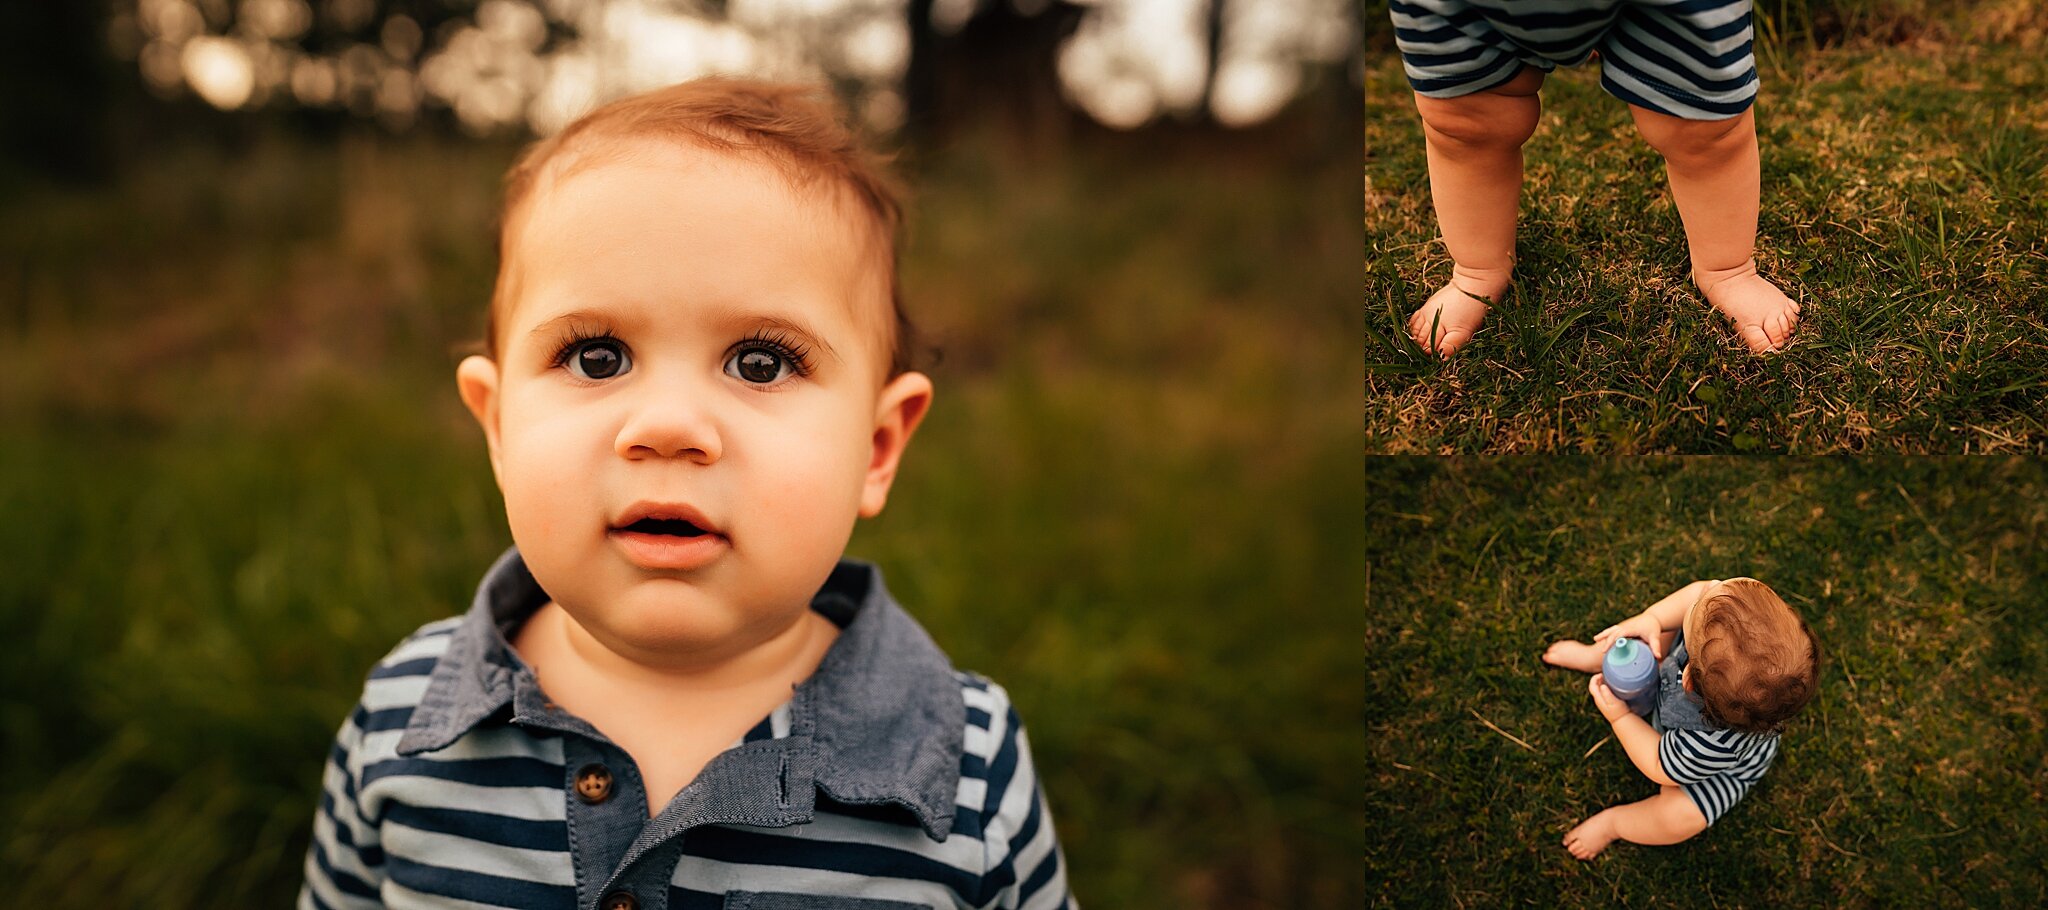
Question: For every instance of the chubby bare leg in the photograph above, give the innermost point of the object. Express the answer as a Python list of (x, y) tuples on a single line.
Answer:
[(1474, 147), (1714, 169), (1667, 818)]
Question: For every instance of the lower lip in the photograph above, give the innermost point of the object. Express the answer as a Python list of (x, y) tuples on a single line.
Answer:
[(667, 551)]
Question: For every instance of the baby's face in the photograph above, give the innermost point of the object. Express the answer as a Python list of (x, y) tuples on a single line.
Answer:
[(690, 407)]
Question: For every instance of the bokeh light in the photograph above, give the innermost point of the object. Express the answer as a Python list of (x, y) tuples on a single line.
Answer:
[(538, 64), (219, 70)]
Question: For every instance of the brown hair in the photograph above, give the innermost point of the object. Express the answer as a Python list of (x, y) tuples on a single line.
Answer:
[(799, 130), (1755, 663)]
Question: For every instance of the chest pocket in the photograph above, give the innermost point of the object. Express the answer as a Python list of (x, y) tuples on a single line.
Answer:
[(765, 900)]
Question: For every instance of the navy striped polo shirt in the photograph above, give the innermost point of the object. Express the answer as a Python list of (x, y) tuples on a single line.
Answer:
[(888, 780)]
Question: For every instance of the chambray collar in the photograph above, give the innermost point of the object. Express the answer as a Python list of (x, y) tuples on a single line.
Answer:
[(880, 722)]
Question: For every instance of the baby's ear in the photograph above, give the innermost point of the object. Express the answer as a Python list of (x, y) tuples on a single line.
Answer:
[(476, 379), (898, 410)]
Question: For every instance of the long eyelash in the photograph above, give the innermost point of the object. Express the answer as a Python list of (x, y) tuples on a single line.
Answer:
[(579, 334), (791, 348)]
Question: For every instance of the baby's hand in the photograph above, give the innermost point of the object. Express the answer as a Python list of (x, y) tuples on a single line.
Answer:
[(1641, 625), (1611, 706)]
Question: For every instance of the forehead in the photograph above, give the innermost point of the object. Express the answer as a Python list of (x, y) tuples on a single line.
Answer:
[(648, 222)]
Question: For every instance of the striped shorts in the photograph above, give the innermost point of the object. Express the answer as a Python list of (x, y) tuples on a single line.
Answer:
[(1687, 58)]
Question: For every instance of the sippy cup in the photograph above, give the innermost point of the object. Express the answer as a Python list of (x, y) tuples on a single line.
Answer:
[(1631, 672)]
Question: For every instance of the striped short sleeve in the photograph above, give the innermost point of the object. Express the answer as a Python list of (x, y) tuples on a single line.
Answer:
[(345, 866), (1022, 856), (1691, 756)]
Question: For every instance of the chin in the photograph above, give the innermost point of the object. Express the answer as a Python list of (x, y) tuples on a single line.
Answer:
[(677, 618)]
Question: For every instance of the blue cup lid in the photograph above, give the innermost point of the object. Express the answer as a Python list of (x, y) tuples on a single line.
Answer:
[(1625, 649)]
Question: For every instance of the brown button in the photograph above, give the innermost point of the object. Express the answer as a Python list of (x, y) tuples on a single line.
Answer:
[(593, 786), (621, 900)]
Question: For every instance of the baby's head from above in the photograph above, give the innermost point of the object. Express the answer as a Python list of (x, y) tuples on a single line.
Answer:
[(1751, 659), (696, 378)]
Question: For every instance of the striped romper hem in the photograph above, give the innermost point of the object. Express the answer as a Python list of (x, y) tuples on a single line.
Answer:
[(1687, 58)]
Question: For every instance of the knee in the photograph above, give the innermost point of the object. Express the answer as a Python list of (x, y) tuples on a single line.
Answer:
[(1682, 140), (1479, 122), (1680, 816)]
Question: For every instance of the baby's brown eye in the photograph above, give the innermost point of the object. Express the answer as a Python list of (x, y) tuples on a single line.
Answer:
[(757, 365), (598, 359)]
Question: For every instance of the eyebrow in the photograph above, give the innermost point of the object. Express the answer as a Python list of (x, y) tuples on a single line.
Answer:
[(795, 327), (552, 325), (789, 324)]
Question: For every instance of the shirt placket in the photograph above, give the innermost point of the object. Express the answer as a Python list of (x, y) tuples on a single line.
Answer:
[(606, 799), (623, 859)]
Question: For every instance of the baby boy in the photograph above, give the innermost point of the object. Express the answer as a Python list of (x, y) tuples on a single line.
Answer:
[(1735, 664), (1688, 75), (673, 692)]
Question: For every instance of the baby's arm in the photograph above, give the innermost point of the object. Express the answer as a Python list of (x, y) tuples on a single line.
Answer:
[(1664, 616), (1023, 865), (1670, 612), (344, 866), (1634, 732), (345, 863)]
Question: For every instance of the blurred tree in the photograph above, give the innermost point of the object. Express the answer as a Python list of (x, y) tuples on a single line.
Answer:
[(1001, 61), (1212, 44), (56, 79), (507, 64)]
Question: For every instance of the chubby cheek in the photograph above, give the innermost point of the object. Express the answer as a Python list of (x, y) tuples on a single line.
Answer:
[(546, 468), (805, 490)]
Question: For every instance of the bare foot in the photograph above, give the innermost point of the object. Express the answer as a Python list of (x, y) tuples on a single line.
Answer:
[(1590, 837), (1453, 313), (1762, 314), (1575, 655)]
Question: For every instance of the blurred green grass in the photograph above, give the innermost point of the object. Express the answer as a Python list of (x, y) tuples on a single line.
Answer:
[(1903, 202), (234, 472), (1915, 778)]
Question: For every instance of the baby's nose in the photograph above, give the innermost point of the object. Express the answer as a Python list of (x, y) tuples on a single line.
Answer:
[(672, 427)]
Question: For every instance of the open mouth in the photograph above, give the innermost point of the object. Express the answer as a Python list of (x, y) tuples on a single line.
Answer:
[(669, 536), (658, 535), (669, 527)]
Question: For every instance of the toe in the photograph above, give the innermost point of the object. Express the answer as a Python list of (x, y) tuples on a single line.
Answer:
[(1419, 330), (1758, 340), (1788, 323), (1453, 340)]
